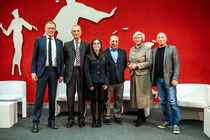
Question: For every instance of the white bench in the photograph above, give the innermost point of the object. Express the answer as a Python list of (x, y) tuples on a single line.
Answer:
[(61, 96), (8, 114), (192, 99), (206, 126), (14, 91)]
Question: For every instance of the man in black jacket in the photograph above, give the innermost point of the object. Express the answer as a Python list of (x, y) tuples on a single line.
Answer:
[(117, 62)]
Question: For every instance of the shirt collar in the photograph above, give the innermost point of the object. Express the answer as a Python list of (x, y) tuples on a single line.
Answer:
[(77, 41), (50, 37), (110, 48)]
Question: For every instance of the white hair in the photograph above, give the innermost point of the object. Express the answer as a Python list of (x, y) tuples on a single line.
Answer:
[(141, 34)]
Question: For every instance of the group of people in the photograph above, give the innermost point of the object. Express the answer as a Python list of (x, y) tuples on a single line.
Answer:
[(96, 74)]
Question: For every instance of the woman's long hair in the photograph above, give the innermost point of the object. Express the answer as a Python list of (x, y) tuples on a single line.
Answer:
[(92, 54)]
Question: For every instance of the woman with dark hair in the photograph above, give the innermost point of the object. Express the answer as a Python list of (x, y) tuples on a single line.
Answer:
[(97, 76)]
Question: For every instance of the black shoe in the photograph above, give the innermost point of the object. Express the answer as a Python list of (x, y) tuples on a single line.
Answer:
[(35, 128), (134, 121), (118, 120), (107, 122), (93, 125), (52, 125), (144, 120), (81, 124), (98, 124), (138, 123), (70, 124)]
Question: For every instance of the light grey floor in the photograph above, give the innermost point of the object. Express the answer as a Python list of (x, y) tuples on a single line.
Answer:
[(190, 130)]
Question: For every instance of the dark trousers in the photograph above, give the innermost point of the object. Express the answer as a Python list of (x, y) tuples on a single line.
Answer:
[(49, 77), (97, 95), (76, 80)]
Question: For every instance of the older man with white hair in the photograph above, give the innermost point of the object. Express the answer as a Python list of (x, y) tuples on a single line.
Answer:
[(117, 62)]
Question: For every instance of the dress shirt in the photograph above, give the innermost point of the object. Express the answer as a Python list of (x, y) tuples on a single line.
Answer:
[(114, 54), (53, 51)]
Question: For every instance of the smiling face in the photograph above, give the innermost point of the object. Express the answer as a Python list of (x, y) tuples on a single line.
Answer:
[(161, 39), (137, 39), (114, 41), (50, 29), (76, 32), (96, 46)]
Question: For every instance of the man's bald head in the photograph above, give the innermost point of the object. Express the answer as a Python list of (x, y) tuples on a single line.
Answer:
[(113, 41), (161, 39)]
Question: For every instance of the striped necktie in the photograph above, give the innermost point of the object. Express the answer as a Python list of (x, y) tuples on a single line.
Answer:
[(77, 55)]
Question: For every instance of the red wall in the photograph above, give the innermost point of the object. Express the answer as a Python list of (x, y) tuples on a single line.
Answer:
[(186, 23)]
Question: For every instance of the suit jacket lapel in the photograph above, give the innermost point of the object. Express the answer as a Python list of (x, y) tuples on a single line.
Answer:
[(119, 55), (80, 46), (109, 53), (72, 45), (165, 54), (45, 45), (155, 51), (57, 49)]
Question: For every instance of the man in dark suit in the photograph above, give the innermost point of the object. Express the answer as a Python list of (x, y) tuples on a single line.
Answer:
[(74, 57), (165, 75), (46, 68), (117, 62)]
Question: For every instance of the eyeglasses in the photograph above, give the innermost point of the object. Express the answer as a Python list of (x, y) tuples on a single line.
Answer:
[(96, 44), (50, 28)]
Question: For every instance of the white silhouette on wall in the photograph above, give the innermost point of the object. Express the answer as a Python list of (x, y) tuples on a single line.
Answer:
[(70, 14), (16, 26), (115, 32)]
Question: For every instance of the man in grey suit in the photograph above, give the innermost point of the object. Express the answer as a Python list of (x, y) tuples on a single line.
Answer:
[(74, 57), (165, 75), (46, 68)]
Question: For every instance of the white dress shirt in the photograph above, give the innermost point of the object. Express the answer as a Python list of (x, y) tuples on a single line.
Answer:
[(53, 51)]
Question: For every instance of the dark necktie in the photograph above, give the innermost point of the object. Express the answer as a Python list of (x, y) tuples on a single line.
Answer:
[(50, 52), (77, 55)]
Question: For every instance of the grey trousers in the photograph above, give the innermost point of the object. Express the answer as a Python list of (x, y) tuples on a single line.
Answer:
[(118, 99)]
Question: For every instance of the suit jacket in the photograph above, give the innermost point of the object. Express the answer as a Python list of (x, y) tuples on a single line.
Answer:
[(116, 70), (38, 63), (142, 57), (69, 57), (171, 65), (96, 71)]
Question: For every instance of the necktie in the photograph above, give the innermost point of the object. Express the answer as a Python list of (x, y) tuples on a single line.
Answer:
[(49, 52), (77, 55)]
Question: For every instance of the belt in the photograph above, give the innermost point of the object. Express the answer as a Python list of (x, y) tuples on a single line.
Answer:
[(50, 67), (77, 67)]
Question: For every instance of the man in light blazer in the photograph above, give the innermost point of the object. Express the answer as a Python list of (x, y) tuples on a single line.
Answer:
[(117, 62), (74, 57), (46, 68), (165, 75)]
